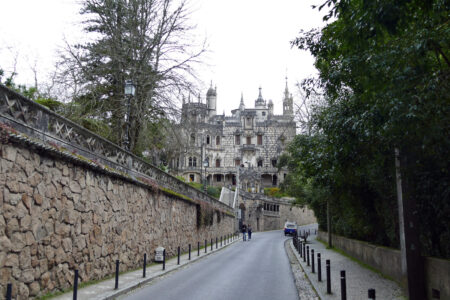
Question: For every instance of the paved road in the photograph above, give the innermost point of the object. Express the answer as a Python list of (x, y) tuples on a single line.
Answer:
[(256, 269)]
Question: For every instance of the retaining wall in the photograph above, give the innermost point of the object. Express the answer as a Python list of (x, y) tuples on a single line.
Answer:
[(57, 216), (388, 262)]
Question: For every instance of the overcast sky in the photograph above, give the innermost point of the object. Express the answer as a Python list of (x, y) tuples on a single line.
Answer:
[(249, 43)]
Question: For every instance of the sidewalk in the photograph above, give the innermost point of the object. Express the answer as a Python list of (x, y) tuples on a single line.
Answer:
[(132, 280), (358, 279)]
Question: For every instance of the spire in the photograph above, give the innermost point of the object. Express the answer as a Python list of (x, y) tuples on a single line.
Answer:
[(286, 90), (241, 105)]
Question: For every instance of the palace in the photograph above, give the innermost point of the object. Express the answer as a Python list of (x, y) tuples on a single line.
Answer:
[(244, 147)]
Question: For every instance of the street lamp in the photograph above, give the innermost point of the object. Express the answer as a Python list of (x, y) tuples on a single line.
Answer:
[(205, 164), (130, 90)]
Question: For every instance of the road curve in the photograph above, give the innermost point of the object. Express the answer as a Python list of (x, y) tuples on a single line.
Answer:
[(256, 269)]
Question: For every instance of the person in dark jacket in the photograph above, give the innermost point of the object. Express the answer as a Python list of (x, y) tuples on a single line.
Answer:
[(244, 232), (249, 230)]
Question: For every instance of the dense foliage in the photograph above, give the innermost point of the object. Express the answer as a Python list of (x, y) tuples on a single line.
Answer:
[(384, 72)]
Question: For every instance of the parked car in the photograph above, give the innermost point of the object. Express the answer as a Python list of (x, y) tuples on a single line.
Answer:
[(290, 228)]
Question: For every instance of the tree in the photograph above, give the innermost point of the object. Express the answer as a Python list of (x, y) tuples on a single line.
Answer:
[(146, 41), (384, 69)]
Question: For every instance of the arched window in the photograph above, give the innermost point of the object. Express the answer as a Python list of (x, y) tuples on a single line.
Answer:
[(190, 162), (207, 140), (194, 162), (260, 139), (217, 140), (217, 163)]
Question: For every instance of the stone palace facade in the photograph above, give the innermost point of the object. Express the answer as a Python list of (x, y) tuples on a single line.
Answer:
[(244, 147)]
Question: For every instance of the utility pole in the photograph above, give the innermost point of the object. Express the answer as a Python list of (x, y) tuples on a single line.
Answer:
[(412, 262)]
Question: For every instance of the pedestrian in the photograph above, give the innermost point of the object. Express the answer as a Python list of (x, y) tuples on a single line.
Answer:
[(249, 229), (244, 232)]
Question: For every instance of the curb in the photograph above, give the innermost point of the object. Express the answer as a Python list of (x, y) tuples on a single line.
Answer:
[(316, 288)]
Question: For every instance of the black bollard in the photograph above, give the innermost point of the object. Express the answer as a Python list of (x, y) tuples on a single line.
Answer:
[(319, 268), (301, 248), (198, 248), (145, 265), (75, 285), (307, 255), (328, 277), (343, 286), (217, 242), (212, 243), (116, 286), (312, 261), (178, 255), (9, 291), (371, 294), (221, 241), (304, 252), (164, 259), (189, 251), (206, 246)]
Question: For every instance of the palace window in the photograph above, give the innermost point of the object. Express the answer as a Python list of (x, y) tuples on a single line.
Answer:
[(274, 163), (191, 177), (217, 140), (249, 140), (260, 163), (192, 138), (190, 162), (259, 139), (237, 139), (237, 162), (207, 140), (217, 163), (194, 162)]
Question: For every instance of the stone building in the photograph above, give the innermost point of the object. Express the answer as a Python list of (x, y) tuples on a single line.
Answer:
[(244, 147)]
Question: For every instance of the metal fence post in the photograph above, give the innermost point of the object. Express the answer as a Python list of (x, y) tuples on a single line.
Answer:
[(328, 277), (212, 243), (75, 285), (189, 251), (312, 261), (304, 251), (343, 286), (9, 291), (319, 268), (206, 246), (307, 254), (217, 242), (145, 265), (116, 285), (198, 248), (164, 259), (178, 255)]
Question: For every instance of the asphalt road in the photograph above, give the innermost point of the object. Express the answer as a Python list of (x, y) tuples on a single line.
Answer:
[(256, 269)]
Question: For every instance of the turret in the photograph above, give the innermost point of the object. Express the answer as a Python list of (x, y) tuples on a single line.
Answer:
[(260, 103), (288, 102), (211, 100)]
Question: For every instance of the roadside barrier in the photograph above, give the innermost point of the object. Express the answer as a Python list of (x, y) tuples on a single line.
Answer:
[(145, 265)]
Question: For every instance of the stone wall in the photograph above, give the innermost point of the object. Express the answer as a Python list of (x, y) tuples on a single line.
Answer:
[(264, 220), (57, 216), (388, 262)]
